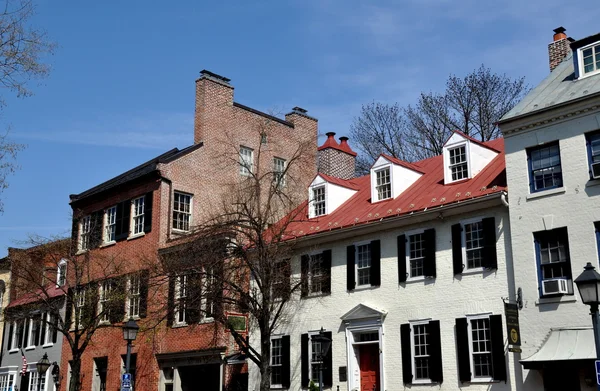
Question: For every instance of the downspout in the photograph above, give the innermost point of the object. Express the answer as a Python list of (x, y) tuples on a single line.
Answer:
[(504, 198)]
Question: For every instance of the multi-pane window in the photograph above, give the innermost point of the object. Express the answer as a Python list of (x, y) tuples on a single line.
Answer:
[(315, 273), (474, 244), (363, 264), (421, 351), (279, 172), (15, 335), (281, 283), (110, 224), (383, 183), (48, 328), (34, 328), (85, 231), (134, 295), (61, 273), (103, 300), (315, 359), (458, 163), (416, 254), (137, 215), (7, 381), (319, 200), (594, 150), (545, 167), (182, 211), (80, 304), (246, 160), (276, 361), (181, 287), (552, 249), (37, 381), (591, 59), (481, 343)]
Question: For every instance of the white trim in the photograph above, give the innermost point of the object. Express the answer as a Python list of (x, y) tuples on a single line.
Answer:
[(131, 234), (412, 351), (407, 236), (353, 371), (447, 165), (489, 379), (374, 192), (244, 169), (59, 274), (463, 243), (280, 337), (362, 243), (191, 212), (105, 238), (544, 193), (579, 55), (311, 197)]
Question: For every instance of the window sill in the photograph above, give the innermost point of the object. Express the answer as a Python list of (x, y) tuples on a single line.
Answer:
[(366, 287), (557, 299), (48, 345), (140, 235), (207, 320), (476, 270), (416, 279), (483, 380), (79, 252), (312, 295), (422, 382), (544, 193), (179, 325), (179, 231), (107, 244), (16, 350), (29, 348), (592, 183)]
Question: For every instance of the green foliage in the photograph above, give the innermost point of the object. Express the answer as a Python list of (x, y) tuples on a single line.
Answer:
[(312, 386)]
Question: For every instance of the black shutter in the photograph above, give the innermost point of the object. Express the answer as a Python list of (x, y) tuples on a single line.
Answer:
[(122, 220), (148, 212), (36, 325), (69, 309), (287, 277), (96, 229), (498, 357), (406, 353), (43, 326), (457, 260), (54, 328), (193, 298), (328, 364), (462, 350), (10, 335), (436, 373), (326, 283), (304, 260), (304, 360), (375, 263), (350, 280), (490, 259), (144, 281), (25, 333), (429, 268), (117, 300), (285, 361), (401, 258), (171, 301)]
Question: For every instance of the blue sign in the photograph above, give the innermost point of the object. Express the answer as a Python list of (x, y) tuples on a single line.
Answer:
[(597, 372), (126, 382)]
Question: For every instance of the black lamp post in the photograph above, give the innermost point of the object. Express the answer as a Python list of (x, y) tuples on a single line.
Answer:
[(588, 284), (44, 364), (130, 330), (324, 345)]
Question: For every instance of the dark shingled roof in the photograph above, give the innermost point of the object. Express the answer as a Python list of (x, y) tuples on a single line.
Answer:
[(137, 172)]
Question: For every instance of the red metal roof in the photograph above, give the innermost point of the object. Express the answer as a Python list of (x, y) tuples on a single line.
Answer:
[(478, 142), (49, 292), (331, 143), (348, 183), (428, 191), (410, 166)]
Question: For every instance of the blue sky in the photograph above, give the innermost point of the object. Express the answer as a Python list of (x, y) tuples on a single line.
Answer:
[(121, 89)]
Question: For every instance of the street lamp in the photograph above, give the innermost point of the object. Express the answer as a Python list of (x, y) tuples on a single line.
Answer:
[(44, 364), (588, 284), (130, 330), (324, 345)]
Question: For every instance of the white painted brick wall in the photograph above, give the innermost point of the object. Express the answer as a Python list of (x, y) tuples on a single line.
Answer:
[(444, 299)]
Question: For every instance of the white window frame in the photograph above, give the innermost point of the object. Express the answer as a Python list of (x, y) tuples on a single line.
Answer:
[(188, 214), (85, 233), (80, 304), (407, 235), (311, 274), (36, 380), (582, 72), (138, 216), (279, 338), (467, 161), (178, 296), (412, 350), (104, 289), (110, 225), (279, 166), (61, 273), (356, 245), (474, 379), (312, 334), (246, 161), (314, 201), (206, 283), (14, 345), (47, 322), (387, 168), (8, 378), (133, 295), (30, 334), (463, 234)]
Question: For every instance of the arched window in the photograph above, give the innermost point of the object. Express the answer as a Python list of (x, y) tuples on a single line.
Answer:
[(61, 273)]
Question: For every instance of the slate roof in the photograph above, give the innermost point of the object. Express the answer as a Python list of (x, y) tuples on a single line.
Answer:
[(558, 88), (137, 172), (429, 191)]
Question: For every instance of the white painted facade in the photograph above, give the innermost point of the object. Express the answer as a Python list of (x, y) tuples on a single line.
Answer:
[(382, 309), (575, 205), (478, 156), (401, 177), (335, 195)]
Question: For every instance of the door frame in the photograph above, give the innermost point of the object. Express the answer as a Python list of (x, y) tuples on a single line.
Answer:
[(353, 329)]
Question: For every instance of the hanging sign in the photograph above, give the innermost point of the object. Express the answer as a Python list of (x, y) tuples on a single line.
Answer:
[(511, 313)]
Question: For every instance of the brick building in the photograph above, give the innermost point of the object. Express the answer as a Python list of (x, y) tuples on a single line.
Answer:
[(120, 225)]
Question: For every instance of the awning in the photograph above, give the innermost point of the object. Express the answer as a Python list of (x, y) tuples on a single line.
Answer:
[(564, 344)]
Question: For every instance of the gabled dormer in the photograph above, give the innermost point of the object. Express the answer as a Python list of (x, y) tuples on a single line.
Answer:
[(586, 56), (327, 193), (390, 177), (465, 157)]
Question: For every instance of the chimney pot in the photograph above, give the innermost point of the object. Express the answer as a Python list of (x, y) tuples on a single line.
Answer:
[(330, 134), (300, 110), (559, 33), (212, 75), (559, 48)]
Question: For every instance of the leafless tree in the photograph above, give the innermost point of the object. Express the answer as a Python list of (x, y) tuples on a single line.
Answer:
[(472, 104)]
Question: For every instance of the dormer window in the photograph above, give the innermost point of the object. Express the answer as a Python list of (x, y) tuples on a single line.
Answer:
[(590, 58), (458, 163), (319, 200), (384, 184), (61, 273)]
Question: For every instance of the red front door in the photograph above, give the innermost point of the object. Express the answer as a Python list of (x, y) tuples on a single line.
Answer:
[(369, 367)]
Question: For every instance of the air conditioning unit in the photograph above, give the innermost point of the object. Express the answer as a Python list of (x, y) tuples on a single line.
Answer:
[(595, 168), (555, 286)]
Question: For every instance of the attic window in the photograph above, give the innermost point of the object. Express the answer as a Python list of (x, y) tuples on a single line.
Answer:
[(458, 163), (319, 200), (590, 58), (384, 184)]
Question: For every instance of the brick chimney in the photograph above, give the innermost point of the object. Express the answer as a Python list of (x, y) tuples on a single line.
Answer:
[(559, 48), (338, 160), (214, 102)]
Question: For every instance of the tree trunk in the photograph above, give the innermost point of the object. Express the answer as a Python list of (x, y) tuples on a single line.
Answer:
[(265, 359), (75, 380)]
